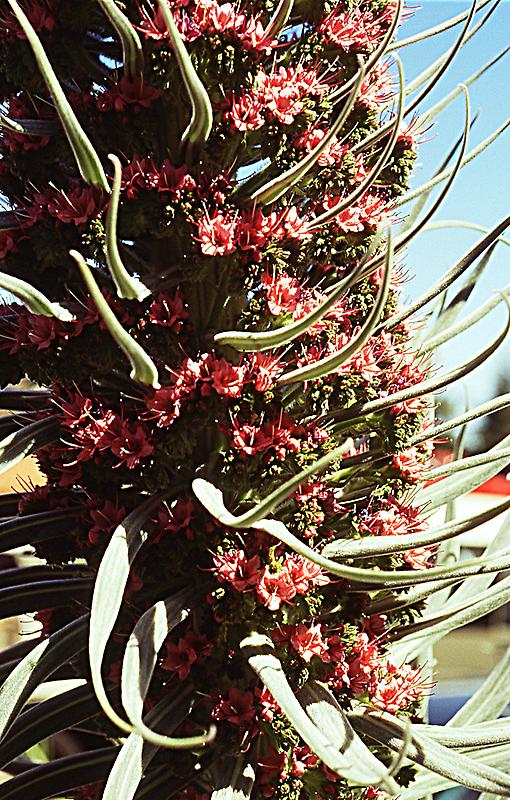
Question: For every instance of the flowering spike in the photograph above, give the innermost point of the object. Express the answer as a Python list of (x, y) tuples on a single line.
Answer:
[(86, 157), (128, 287), (276, 188), (378, 166), (131, 46), (331, 363), (34, 300), (279, 19), (143, 368), (199, 128)]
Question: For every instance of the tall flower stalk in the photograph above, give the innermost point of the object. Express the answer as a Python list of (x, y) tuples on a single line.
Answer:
[(235, 417)]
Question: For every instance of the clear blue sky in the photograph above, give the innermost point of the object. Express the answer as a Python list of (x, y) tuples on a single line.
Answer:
[(482, 191)]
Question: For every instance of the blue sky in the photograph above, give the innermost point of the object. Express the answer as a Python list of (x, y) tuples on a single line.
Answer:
[(482, 191)]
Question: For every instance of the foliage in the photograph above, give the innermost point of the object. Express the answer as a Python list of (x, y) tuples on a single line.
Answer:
[(236, 415)]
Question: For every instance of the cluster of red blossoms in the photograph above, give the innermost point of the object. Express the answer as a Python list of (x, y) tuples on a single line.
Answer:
[(215, 261)]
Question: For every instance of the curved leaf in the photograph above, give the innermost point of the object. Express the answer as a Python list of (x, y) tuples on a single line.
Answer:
[(31, 528), (199, 128), (279, 19), (236, 778), (25, 598), (23, 399), (17, 446), (111, 580), (334, 746), (86, 157), (143, 367), (34, 300), (37, 665), (502, 401), (139, 662), (128, 287), (60, 776), (132, 52), (436, 29)]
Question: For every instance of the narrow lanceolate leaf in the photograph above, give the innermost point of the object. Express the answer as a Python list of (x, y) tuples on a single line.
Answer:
[(20, 531), (132, 52), (388, 730), (332, 721), (477, 735), (86, 157), (112, 577), (36, 596), (436, 29), (143, 368), (332, 746), (236, 778), (35, 301), (279, 19), (276, 188), (455, 272), (60, 776), (448, 489), (23, 399), (380, 163), (136, 754), (199, 128), (139, 662), (17, 576), (325, 366), (17, 446), (212, 499), (128, 287), (399, 543), (463, 464), (46, 719), (500, 402), (37, 665)]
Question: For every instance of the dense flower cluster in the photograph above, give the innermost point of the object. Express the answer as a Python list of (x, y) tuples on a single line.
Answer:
[(213, 260)]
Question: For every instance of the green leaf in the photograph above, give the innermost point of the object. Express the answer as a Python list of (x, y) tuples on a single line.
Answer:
[(132, 52), (470, 462), (26, 598), (502, 401), (199, 128), (86, 157), (60, 776), (111, 580), (23, 399), (16, 576), (212, 500), (477, 735), (34, 300), (436, 29), (277, 187), (32, 528), (143, 368), (388, 730), (139, 662), (333, 746), (399, 543), (46, 719), (279, 19), (136, 755), (128, 287), (325, 366), (236, 778), (17, 446), (37, 665)]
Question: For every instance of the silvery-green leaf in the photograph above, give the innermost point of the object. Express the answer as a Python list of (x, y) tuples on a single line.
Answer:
[(132, 52)]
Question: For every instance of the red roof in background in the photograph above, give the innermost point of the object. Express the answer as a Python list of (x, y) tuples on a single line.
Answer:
[(497, 485)]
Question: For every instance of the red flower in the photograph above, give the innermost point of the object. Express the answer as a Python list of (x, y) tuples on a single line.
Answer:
[(190, 649), (6, 243), (77, 205), (282, 293), (125, 93), (235, 707), (246, 113), (263, 370), (308, 642), (178, 518), (42, 331), (235, 568), (227, 379), (217, 234), (393, 688), (169, 312), (105, 516)]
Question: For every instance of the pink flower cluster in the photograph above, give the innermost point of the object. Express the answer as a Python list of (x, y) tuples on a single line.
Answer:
[(353, 30), (333, 154), (277, 437), (142, 173), (295, 576), (396, 519), (223, 232), (191, 649), (278, 96), (209, 374), (134, 95), (168, 312), (208, 17), (95, 431)]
